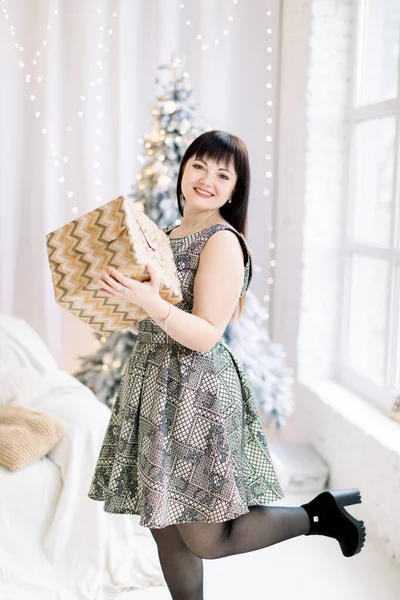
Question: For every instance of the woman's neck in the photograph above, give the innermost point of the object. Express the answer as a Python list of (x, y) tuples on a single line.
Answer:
[(194, 223)]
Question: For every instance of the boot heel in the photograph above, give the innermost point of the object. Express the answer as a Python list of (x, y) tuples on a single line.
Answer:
[(328, 517), (347, 497)]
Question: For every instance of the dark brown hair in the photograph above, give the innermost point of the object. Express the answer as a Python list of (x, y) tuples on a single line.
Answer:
[(223, 147)]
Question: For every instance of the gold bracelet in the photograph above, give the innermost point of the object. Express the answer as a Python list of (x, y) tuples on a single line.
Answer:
[(163, 323)]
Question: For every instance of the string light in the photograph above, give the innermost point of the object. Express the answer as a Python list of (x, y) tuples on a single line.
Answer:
[(206, 46), (33, 97), (38, 79), (268, 171)]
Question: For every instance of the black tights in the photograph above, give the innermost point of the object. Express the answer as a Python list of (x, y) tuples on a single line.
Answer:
[(183, 571), (181, 548)]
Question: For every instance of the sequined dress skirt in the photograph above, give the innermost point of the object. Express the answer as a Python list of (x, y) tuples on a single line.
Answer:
[(184, 442)]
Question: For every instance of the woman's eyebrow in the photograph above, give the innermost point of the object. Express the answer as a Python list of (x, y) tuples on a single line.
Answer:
[(220, 168)]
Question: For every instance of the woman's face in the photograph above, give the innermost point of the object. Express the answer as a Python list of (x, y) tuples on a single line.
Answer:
[(216, 181)]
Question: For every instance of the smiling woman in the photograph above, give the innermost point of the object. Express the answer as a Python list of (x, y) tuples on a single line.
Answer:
[(208, 181), (185, 447)]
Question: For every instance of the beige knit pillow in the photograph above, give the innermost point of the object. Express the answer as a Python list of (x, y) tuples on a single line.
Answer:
[(26, 434)]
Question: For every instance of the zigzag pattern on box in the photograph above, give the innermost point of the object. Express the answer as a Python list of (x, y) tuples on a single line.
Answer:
[(119, 235)]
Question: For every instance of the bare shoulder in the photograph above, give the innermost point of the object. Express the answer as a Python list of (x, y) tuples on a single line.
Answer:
[(223, 237), (223, 247), (219, 279)]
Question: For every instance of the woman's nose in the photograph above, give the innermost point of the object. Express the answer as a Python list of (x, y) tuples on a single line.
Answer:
[(204, 178)]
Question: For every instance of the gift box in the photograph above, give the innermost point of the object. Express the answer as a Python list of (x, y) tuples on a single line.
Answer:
[(117, 234)]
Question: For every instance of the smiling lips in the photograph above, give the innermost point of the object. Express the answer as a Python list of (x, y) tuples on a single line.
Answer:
[(203, 192)]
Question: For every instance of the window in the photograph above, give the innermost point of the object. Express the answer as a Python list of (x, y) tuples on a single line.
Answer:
[(370, 357)]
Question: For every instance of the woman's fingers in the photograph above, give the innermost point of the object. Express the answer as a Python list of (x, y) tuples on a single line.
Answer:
[(155, 275), (122, 279), (107, 282), (105, 286), (113, 282)]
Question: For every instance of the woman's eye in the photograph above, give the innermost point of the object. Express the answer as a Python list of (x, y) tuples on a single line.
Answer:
[(201, 167)]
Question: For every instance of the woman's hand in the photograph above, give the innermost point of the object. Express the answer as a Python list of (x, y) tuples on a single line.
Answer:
[(117, 285)]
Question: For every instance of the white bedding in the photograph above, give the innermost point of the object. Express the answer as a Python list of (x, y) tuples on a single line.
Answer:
[(55, 541)]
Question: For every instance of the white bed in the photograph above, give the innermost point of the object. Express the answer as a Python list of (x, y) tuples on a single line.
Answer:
[(55, 542)]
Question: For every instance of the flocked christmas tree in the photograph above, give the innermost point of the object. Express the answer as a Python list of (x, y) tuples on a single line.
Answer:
[(172, 131)]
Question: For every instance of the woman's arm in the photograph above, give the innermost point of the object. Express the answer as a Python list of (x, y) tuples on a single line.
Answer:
[(217, 287)]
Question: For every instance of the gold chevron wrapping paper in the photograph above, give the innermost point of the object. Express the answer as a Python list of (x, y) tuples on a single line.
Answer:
[(117, 234)]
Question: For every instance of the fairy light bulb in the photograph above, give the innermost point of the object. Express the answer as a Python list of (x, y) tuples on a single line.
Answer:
[(199, 36), (268, 158), (38, 79)]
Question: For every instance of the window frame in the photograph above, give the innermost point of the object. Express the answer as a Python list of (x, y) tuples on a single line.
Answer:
[(381, 395)]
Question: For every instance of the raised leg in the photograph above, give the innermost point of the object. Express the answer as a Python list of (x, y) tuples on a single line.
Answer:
[(262, 526), (183, 571)]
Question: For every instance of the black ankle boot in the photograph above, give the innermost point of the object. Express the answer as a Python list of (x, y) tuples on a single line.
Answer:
[(328, 517)]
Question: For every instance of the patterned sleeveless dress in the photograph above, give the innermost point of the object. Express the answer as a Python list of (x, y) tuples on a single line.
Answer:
[(184, 442)]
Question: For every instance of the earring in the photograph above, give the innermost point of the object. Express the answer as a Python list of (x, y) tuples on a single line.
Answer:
[(230, 200)]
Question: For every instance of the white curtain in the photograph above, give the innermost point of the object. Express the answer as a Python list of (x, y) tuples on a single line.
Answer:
[(100, 58)]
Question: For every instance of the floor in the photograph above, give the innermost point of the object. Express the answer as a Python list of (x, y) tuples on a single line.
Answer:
[(303, 568)]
